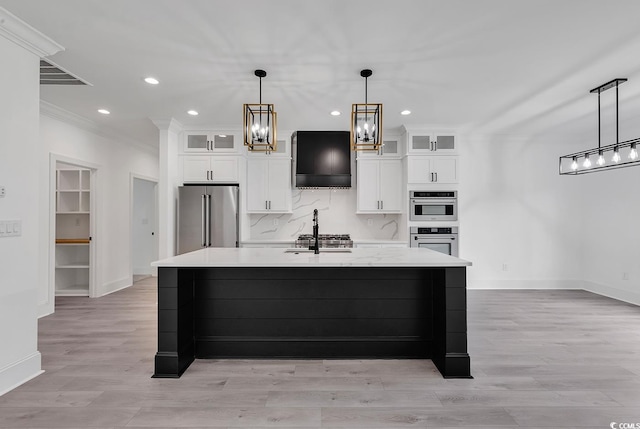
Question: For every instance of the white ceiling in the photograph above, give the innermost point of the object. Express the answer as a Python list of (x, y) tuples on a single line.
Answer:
[(485, 65)]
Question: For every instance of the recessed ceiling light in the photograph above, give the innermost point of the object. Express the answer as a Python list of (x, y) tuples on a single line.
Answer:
[(335, 113), (193, 112), (151, 80), (405, 112), (104, 111)]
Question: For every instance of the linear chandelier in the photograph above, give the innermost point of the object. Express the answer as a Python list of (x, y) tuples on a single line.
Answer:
[(260, 123), (366, 122), (616, 155)]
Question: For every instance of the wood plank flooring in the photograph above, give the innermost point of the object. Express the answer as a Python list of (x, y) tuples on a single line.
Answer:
[(541, 359)]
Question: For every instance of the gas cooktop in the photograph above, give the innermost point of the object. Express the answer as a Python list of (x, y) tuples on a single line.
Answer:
[(325, 240)]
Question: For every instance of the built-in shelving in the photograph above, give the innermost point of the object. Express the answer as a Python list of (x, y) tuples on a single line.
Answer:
[(73, 223)]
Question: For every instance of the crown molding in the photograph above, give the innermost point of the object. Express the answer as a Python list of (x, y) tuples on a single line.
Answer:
[(169, 124), (60, 114), (24, 35)]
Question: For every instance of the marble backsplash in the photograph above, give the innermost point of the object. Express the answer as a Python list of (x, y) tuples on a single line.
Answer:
[(336, 215)]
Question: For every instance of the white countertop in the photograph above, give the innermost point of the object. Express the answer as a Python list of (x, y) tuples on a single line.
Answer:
[(274, 257)]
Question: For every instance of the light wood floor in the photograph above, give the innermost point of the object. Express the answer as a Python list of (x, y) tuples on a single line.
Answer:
[(554, 359)]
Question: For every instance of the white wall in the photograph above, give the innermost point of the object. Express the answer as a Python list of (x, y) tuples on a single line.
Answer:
[(143, 225), (116, 161), (515, 209), (19, 357)]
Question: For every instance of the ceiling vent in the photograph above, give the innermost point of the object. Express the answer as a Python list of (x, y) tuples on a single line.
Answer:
[(53, 74)]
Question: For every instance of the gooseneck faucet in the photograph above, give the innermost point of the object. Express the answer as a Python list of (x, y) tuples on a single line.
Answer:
[(315, 247)]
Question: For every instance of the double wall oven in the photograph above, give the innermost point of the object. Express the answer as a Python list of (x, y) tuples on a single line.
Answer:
[(439, 206)]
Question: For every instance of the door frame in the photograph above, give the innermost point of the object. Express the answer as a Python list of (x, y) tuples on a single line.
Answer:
[(54, 158), (156, 246)]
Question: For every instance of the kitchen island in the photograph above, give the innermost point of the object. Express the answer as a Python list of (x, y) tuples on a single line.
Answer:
[(291, 303)]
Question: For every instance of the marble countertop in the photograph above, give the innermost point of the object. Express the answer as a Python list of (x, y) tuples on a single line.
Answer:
[(278, 257)]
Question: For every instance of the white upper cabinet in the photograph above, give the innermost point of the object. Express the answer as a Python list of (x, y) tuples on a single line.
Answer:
[(432, 143), (209, 169), (283, 148), (432, 169), (379, 186), (210, 142), (392, 147), (268, 185)]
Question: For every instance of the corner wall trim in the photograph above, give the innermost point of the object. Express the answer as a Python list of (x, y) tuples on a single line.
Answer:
[(20, 372)]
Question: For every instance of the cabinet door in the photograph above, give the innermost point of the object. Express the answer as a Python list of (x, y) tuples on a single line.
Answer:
[(196, 142), (224, 169), (444, 142), (195, 169), (445, 169), (368, 185), (391, 185), (279, 185), (257, 172), (419, 169)]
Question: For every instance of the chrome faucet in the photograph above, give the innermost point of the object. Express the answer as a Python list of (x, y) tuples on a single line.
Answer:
[(315, 247)]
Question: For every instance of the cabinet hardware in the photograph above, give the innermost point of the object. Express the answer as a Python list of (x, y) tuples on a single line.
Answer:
[(269, 204), (436, 176), (207, 174), (266, 205), (382, 205), (435, 145)]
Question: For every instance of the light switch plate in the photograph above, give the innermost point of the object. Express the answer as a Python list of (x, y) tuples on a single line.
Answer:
[(10, 228)]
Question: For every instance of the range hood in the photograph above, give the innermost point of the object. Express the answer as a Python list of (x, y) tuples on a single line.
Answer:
[(321, 159)]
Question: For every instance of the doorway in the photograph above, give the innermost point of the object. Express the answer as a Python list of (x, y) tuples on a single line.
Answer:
[(144, 238)]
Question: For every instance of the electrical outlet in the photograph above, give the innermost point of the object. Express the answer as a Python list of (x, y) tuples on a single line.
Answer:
[(3, 191), (505, 267), (369, 222), (275, 222), (625, 276)]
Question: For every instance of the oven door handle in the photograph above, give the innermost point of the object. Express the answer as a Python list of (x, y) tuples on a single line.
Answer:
[(432, 201)]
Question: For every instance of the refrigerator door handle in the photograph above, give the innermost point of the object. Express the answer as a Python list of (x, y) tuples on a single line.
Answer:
[(207, 220), (202, 219)]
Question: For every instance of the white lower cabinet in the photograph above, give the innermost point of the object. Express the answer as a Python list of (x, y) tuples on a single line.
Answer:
[(209, 169), (433, 169), (374, 245), (379, 187), (269, 185)]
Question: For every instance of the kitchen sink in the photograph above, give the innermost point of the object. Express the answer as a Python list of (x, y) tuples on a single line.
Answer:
[(323, 250)]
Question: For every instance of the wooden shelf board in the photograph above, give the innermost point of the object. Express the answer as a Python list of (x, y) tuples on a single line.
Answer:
[(72, 241)]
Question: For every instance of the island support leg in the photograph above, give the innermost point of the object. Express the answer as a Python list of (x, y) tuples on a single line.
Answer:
[(175, 322), (450, 323)]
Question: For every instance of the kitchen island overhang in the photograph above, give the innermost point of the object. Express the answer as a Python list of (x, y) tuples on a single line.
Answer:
[(272, 303)]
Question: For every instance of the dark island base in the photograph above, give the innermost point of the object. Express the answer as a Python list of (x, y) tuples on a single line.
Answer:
[(314, 312)]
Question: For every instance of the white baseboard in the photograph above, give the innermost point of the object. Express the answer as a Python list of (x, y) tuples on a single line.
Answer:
[(115, 286), (20, 372), (525, 284), (45, 309), (611, 292)]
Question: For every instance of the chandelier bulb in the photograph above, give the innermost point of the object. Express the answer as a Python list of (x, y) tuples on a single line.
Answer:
[(633, 154), (616, 155), (574, 164), (587, 161), (601, 161)]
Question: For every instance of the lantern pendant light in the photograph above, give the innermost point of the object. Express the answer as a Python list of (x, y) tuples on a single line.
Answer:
[(366, 121), (260, 123)]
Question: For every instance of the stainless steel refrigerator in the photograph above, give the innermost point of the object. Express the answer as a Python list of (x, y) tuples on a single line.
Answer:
[(207, 217)]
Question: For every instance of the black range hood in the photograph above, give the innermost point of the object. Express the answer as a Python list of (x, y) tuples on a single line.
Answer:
[(321, 159)]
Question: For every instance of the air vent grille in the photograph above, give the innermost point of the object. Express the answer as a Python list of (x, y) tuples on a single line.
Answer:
[(53, 74)]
